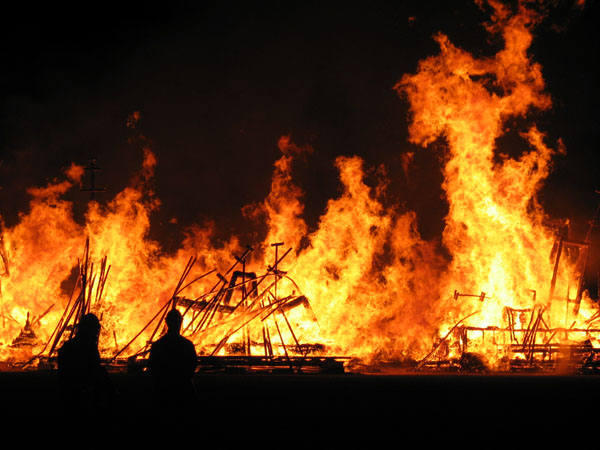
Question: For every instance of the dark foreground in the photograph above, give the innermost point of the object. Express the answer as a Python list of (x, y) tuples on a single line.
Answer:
[(256, 406)]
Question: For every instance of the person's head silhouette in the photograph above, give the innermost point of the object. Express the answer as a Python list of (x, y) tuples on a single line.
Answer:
[(173, 321), (89, 327)]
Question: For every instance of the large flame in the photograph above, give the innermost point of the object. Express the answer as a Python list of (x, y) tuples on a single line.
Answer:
[(377, 289), (495, 227)]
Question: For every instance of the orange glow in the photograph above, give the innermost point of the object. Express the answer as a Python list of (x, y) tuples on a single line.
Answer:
[(495, 227), (375, 289)]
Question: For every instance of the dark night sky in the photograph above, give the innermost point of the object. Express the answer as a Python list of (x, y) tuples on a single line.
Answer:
[(218, 84)]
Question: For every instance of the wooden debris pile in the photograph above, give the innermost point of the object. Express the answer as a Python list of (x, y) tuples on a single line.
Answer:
[(241, 323), (526, 341)]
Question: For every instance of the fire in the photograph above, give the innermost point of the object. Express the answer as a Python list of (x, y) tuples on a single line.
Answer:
[(495, 227), (370, 286)]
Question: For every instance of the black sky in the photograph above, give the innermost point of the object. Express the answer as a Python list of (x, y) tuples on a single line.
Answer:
[(218, 84)]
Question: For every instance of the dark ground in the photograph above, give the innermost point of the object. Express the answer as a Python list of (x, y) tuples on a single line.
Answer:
[(462, 408)]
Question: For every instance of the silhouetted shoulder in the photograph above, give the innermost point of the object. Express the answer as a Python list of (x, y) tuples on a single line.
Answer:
[(172, 355), (77, 358)]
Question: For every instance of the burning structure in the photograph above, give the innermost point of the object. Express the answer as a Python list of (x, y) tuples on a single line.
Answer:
[(364, 283)]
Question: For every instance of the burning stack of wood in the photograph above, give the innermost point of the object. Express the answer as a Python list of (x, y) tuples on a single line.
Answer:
[(241, 323), (526, 341)]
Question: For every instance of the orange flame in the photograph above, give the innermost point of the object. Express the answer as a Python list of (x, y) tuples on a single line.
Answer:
[(494, 228), (377, 289)]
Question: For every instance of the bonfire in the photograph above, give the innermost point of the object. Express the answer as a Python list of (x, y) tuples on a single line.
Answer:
[(363, 285)]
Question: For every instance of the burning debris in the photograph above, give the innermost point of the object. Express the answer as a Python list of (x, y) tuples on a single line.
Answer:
[(526, 341), (364, 282), (242, 322), (27, 337)]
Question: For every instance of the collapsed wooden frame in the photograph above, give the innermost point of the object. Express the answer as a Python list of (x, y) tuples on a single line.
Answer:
[(536, 346), (258, 304)]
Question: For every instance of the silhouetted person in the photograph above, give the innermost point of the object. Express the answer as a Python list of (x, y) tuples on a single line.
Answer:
[(172, 364), (84, 383)]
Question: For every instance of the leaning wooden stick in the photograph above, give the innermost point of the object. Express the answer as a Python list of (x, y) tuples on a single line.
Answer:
[(163, 310)]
